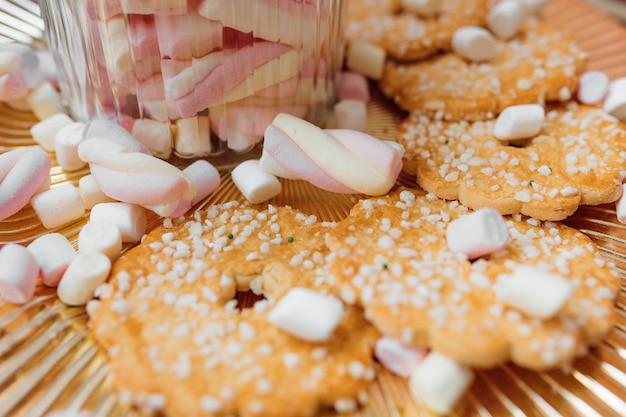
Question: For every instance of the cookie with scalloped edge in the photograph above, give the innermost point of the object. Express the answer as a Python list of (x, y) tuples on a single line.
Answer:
[(406, 36), (179, 343), (541, 64), (390, 256), (578, 158)]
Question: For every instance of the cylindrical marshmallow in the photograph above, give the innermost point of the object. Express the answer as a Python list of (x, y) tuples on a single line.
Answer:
[(82, 277), (58, 206), (307, 314), (522, 121), (440, 382), (130, 219), (474, 43), (593, 87), (366, 58), (350, 114), (477, 234), (155, 135), (255, 184), (398, 358), (46, 130), (533, 6), (53, 252), (620, 206), (45, 101), (66, 144), (101, 236), (18, 274), (505, 18), (90, 193), (205, 177), (426, 8), (615, 102), (534, 292), (191, 134)]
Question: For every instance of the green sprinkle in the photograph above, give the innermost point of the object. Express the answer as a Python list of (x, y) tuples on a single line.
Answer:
[(531, 182), (290, 239), (230, 236), (385, 266)]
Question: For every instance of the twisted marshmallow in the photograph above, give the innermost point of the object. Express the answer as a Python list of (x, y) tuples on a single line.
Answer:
[(23, 173), (137, 178), (340, 160)]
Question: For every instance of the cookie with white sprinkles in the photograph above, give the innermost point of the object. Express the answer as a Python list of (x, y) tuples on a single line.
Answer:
[(178, 342), (577, 158), (390, 256), (540, 64)]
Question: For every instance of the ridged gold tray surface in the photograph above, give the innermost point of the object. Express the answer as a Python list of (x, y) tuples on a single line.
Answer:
[(48, 360)]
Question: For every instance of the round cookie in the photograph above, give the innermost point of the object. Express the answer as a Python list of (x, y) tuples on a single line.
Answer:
[(390, 256), (578, 158), (405, 35), (541, 64), (179, 343)]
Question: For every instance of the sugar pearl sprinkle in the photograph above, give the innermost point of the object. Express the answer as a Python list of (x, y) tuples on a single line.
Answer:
[(214, 342), (436, 297)]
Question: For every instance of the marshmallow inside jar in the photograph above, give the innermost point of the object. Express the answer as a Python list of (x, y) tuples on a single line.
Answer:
[(210, 74)]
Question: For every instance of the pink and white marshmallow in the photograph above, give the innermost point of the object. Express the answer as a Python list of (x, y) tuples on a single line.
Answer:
[(130, 219), (307, 314), (18, 274), (593, 86), (53, 252), (534, 292), (256, 185), (102, 237), (478, 234), (521, 121), (79, 282), (106, 129), (398, 358), (58, 206), (344, 161), (474, 43), (23, 173), (615, 102), (205, 177), (439, 382), (137, 178), (353, 86)]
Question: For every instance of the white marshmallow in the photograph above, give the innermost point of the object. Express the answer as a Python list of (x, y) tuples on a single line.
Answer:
[(101, 236), (109, 130), (90, 193), (477, 234), (29, 61), (505, 19), (534, 292), (398, 358), (155, 135), (9, 61), (53, 252), (425, 8), (440, 382), (18, 274), (45, 101), (241, 142), (366, 58), (307, 314), (522, 121), (620, 206), (82, 277), (130, 219), (205, 177), (58, 206), (46, 66), (350, 114), (593, 87), (66, 144), (255, 184), (193, 137), (533, 6), (474, 43), (615, 102), (45, 131)]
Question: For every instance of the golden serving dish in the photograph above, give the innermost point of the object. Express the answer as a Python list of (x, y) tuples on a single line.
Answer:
[(48, 360)]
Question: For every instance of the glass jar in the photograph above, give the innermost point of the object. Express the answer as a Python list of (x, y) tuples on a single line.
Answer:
[(197, 78)]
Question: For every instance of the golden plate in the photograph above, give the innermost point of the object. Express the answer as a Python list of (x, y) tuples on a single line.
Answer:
[(48, 360)]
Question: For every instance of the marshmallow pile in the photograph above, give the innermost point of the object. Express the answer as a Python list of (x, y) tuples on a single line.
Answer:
[(209, 75)]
